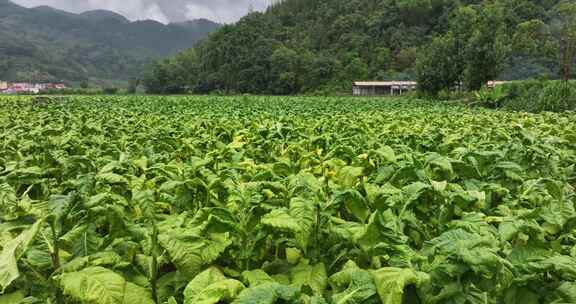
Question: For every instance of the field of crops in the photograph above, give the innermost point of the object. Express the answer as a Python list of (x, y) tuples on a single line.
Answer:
[(262, 200)]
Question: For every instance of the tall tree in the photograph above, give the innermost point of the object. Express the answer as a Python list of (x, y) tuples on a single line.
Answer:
[(555, 40), (474, 50), (487, 47), (438, 67), (564, 29)]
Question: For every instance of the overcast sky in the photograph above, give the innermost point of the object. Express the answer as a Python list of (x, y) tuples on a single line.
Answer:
[(161, 10)]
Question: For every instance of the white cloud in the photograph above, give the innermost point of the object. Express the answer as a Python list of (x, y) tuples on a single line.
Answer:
[(195, 11), (132, 9), (160, 10), (223, 10)]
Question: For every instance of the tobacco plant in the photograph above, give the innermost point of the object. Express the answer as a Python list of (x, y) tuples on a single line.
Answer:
[(107, 200)]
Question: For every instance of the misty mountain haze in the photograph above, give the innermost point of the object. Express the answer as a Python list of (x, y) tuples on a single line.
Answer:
[(165, 11)]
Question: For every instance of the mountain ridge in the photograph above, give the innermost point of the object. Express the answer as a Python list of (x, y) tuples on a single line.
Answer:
[(99, 15), (47, 44)]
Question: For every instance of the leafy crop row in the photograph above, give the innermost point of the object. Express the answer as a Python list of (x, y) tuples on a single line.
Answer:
[(284, 200)]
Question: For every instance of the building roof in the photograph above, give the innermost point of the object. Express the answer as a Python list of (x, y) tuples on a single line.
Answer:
[(497, 82), (384, 83)]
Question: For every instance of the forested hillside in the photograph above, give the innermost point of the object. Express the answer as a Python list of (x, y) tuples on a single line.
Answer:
[(309, 45), (45, 44)]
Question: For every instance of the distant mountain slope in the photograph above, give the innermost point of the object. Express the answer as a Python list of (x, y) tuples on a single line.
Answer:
[(46, 44), (104, 15), (313, 45)]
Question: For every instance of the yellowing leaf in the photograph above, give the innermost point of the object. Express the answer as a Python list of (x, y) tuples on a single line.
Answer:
[(390, 283), (237, 143), (211, 287), (293, 255)]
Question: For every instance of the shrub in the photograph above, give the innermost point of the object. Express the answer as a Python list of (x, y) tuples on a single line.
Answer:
[(110, 91), (530, 96), (540, 96), (491, 98)]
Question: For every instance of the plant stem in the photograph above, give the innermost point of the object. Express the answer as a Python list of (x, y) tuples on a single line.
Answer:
[(317, 233), (154, 266), (56, 259)]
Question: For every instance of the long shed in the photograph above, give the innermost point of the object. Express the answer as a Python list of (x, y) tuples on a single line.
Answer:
[(372, 88)]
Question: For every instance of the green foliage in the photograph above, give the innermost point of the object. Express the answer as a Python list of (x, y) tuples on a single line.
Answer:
[(12, 251), (110, 91), (472, 52), (211, 287), (268, 293), (320, 47), (391, 282), (492, 97), (154, 199), (11, 298), (530, 96), (437, 69)]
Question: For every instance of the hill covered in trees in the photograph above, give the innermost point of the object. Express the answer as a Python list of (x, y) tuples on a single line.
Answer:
[(46, 44), (309, 45)]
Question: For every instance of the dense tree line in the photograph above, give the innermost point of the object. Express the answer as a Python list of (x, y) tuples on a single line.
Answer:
[(310, 45), (482, 40)]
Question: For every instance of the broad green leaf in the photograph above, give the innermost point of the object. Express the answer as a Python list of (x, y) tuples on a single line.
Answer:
[(268, 293), (171, 185), (299, 219), (222, 291), (565, 293), (305, 213), (414, 190), (106, 198), (381, 236), (312, 276), (354, 202), (387, 153), (304, 183), (441, 162), (83, 240), (11, 254), (352, 285), (280, 218), (520, 296), (111, 178), (562, 265), (203, 280), (348, 176), (451, 241), (256, 277), (190, 252), (12, 298), (99, 285), (172, 300)]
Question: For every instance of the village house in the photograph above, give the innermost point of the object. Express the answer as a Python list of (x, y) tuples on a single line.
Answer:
[(24, 87), (391, 88)]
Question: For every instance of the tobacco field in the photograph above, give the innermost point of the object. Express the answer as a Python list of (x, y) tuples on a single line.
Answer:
[(263, 200)]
